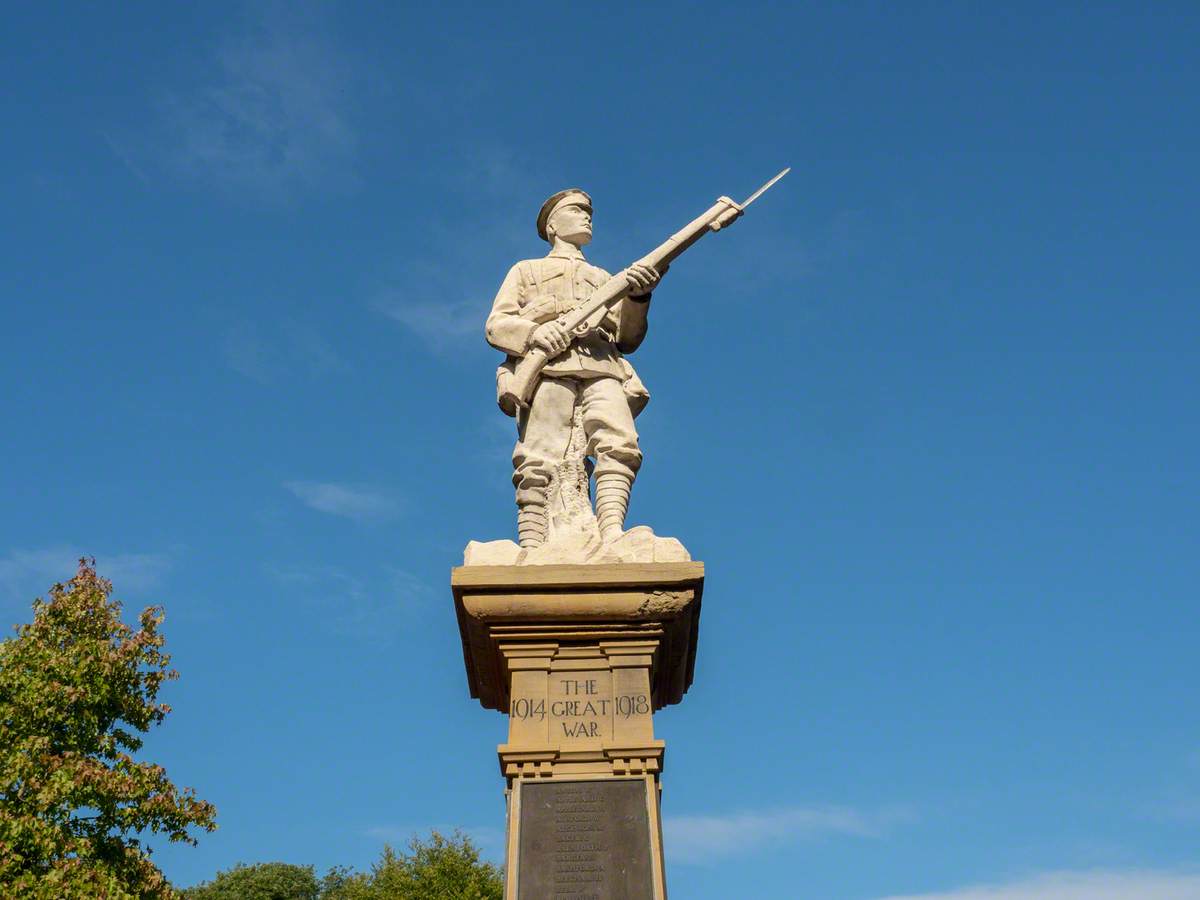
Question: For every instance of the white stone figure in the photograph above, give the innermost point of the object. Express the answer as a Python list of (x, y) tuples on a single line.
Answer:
[(586, 386), (565, 326)]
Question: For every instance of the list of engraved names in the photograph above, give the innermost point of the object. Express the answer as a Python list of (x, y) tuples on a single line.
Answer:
[(581, 847), (585, 840)]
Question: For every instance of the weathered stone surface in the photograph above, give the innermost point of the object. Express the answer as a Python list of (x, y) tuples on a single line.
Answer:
[(637, 545), (554, 611), (580, 657)]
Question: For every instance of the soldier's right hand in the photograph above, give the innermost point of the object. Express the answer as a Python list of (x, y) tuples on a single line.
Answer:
[(551, 337)]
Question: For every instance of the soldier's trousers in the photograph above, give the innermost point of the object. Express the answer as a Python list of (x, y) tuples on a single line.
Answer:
[(544, 431)]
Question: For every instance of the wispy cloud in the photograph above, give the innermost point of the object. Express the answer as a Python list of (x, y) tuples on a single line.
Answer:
[(291, 348), (511, 174), (1183, 806), (272, 117), (247, 354), (1177, 800), (437, 323), (1091, 885), (695, 839), (446, 305), (136, 572), (121, 150), (361, 503), (355, 606), (269, 115), (28, 573)]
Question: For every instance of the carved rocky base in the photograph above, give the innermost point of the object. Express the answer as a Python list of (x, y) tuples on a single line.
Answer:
[(579, 658), (572, 532), (637, 545)]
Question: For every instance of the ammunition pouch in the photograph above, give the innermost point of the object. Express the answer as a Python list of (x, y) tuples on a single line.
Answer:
[(504, 376)]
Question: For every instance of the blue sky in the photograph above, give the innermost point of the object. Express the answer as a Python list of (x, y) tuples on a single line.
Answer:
[(928, 413)]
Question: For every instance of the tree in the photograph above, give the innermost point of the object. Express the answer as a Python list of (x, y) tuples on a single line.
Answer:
[(438, 869), (265, 881), (76, 686)]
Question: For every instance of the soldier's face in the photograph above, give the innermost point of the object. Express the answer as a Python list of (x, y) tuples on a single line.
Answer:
[(572, 223)]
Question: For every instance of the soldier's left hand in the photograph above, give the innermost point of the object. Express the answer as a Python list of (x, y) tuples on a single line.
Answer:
[(641, 279)]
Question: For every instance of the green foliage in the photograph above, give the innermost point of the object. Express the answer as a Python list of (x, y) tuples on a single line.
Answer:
[(76, 686), (265, 881), (438, 869)]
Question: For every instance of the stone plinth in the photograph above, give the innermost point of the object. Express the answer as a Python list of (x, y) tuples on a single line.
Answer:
[(579, 657)]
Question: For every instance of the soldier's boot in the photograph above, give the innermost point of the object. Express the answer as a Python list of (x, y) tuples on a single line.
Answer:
[(531, 525), (612, 501)]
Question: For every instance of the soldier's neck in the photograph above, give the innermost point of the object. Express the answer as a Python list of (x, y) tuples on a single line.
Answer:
[(565, 248)]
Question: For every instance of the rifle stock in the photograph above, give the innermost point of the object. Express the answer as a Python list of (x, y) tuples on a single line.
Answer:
[(719, 215), (520, 387)]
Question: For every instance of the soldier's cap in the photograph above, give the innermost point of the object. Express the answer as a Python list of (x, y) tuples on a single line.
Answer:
[(562, 198)]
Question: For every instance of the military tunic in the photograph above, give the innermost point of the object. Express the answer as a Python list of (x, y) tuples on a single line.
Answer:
[(591, 373)]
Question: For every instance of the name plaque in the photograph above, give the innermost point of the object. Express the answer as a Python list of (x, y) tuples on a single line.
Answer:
[(584, 840)]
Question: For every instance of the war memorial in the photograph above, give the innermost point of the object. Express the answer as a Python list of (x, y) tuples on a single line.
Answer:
[(581, 629)]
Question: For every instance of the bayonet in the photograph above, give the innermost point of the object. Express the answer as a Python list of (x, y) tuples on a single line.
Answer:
[(766, 187)]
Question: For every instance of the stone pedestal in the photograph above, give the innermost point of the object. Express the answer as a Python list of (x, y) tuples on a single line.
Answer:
[(580, 657)]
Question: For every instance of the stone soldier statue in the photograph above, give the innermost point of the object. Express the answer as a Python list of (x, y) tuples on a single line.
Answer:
[(587, 385)]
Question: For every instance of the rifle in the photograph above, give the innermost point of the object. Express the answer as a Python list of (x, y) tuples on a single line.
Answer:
[(581, 320)]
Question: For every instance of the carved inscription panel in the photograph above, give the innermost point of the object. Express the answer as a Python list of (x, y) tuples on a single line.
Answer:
[(584, 840), (580, 709)]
